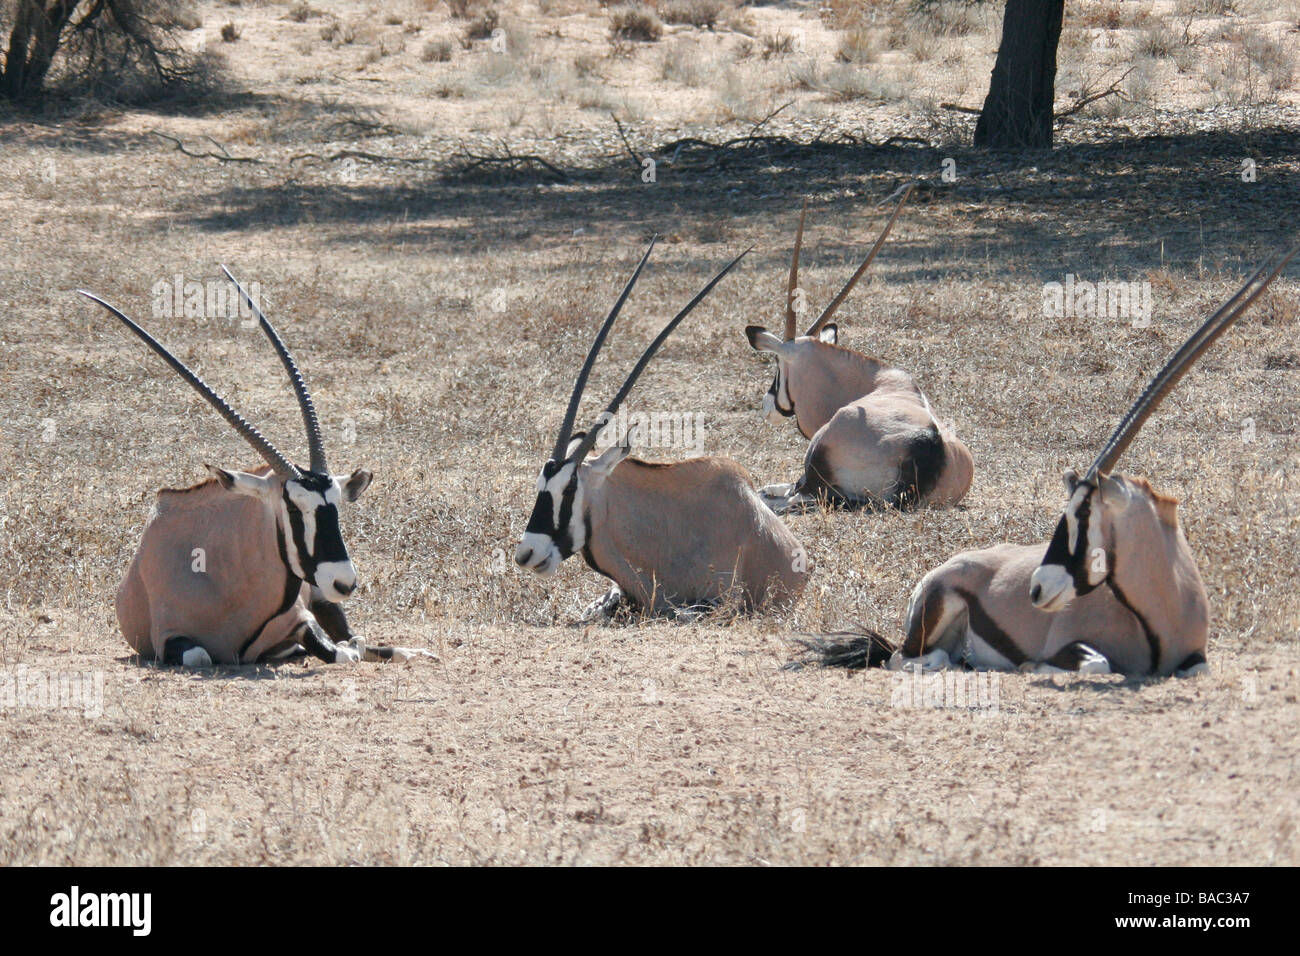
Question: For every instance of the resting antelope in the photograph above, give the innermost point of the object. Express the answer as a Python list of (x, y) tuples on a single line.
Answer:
[(249, 565), (874, 437), (670, 536), (1117, 589)]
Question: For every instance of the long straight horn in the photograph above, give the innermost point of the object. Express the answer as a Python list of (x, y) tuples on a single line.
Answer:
[(315, 445), (853, 280), (1179, 363), (590, 439), (571, 413), (791, 330), (278, 462)]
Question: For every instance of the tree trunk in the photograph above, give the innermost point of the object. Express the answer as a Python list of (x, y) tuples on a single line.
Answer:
[(32, 45), (1018, 109)]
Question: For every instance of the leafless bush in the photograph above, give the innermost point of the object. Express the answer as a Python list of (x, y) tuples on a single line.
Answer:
[(635, 22), (1158, 40), (858, 46), (697, 13), (481, 27), (436, 51)]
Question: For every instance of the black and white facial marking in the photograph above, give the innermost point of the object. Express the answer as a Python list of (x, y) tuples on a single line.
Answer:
[(557, 527), (1076, 560), (776, 403), (309, 520)]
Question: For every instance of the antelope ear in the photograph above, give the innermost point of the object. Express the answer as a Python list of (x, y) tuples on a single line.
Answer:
[(1071, 478), (609, 460), (242, 483), (829, 334), (761, 340), (356, 483)]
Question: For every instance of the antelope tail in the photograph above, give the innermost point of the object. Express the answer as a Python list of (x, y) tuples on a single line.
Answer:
[(854, 650)]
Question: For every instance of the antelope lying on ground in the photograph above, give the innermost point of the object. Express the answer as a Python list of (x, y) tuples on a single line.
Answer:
[(1117, 589), (249, 565), (670, 536), (875, 440)]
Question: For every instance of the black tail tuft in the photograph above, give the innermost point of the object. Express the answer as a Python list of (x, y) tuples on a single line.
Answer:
[(852, 649), (920, 469)]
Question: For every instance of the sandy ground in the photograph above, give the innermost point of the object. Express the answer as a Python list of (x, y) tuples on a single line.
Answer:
[(440, 308)]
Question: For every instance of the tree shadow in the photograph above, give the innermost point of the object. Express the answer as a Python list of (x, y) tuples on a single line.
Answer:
[(1130, 204)]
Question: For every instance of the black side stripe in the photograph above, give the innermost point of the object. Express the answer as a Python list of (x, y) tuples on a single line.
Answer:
[(988, 630), (1153, 642), (292, 587), (586, 549)]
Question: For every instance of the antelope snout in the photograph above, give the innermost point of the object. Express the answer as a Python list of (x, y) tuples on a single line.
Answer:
[(1051, 587), (537, 552), (336, 580), (769, 410)]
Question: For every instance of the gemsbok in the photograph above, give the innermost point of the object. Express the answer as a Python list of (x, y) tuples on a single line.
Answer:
[(249, 565), (674, 538), (874, 438), (1117, 590)]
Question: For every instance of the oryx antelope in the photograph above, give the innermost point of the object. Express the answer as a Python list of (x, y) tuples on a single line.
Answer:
[(249, 565), (875, 440), (1117, 589), (671, 537)]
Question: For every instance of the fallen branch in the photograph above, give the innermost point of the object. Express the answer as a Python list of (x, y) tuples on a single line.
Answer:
[(1086, 99), (357, 154), (511, 160), (224, 156), (626, 145)]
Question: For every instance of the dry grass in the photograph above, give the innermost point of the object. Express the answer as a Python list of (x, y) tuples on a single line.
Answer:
[(530, 739)]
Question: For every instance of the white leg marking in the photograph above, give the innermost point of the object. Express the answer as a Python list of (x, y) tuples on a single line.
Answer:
[(936, 660), (1196, 670), (602, 608), (196, 657)]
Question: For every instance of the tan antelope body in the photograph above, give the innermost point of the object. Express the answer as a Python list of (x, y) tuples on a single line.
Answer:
[(672, 537), (693, 533), (249, 565), (1152, 618), (236, 541), (1116, 589), (873, 437)]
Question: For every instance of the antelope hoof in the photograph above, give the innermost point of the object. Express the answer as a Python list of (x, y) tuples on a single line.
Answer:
[(936, 660), (1193, 666), (602, 608), (196, 657)]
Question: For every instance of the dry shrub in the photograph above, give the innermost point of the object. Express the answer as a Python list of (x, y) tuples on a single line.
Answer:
[(436, 51), (481, 27), (636, 22), (704, 14), (858, 46), (1159, 41)]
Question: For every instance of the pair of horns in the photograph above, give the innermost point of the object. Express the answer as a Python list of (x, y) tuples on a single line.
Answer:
[(1178, 364), (571, 413), (261, 445), (836, 302)]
